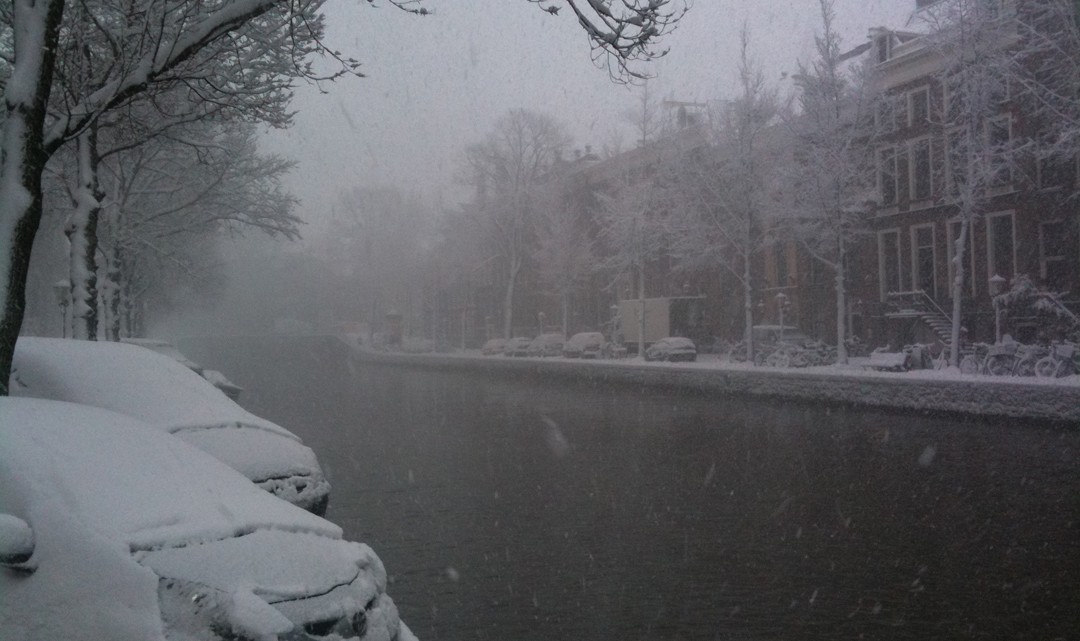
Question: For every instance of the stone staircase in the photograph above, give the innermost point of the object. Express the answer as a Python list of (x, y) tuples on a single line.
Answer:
[(917, 304)]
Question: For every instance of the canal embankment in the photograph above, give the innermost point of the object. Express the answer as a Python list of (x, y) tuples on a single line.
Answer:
[(938, 392)]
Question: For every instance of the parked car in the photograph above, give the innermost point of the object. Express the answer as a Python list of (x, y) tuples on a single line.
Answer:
[(160, 391), (493, 347), (673, 349), (517, 346), (546, 345), (112, 530), (585, 345), (165, 348)]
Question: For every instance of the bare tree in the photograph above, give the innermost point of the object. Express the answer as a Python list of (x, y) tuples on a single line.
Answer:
[(181, 43), (976, 48), (172, 192), (564, 254), (382, 235), (631, 235), (828, 181), (509, 170), (722, 193)]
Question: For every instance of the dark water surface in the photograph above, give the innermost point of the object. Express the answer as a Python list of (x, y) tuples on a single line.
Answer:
[(532, 510)]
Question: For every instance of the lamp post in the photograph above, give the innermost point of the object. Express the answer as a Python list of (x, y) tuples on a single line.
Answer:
[(62, 291), (997, 287)]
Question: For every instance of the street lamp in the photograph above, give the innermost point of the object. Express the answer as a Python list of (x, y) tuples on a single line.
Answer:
[(62, 291), (997, 287)]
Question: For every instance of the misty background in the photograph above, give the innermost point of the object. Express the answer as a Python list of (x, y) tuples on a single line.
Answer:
[(432, 86)]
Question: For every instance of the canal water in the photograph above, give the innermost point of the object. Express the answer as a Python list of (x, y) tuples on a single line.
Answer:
[(535, 510)]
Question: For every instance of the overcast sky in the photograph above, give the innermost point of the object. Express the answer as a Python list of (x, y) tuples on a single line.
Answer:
[(437, 83)]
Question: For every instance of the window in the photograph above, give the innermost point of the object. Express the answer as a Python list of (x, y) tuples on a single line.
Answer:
[(969, 255), (1000, 246), (999, 141), (782, 274), (954, 161), (918, 107), (923, 259), (903, 173), (921, 170), (887, 175), (889, 261), (885, 116), (951, 96), (1054, 170), (1054, 243)]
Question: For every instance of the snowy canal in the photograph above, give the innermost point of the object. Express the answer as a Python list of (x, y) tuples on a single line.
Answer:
[(529, 510)]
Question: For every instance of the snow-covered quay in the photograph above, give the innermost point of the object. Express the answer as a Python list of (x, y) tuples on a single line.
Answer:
[(945, 392)]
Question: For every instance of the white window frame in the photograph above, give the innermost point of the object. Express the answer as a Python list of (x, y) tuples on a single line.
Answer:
[(892, 150), (882, 287), (1043, 257), (925, 91), (911, 168), (915, 257), (990, 244), (951, 253), (1008, 120)]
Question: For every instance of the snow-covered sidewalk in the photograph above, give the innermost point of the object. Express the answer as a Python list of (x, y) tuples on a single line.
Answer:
[(947, 391)]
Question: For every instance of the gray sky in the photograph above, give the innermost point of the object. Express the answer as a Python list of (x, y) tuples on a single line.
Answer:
[(437, 83)]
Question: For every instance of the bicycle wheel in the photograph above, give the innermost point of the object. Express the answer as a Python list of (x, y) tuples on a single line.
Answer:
[(1047, 367), (1000, 365), (778, 358), (969, 364), (1026, 366)]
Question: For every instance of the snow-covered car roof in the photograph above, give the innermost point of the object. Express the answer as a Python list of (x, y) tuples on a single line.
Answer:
[(128, 379), (585, 338), (675, 342), (115, 505)]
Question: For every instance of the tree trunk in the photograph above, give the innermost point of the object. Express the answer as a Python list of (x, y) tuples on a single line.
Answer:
[(748, 307), (114, 277), (22, 160), (958, 290), (565, 314), (641, 313), (841, 303), (81, 231), (508, 299)]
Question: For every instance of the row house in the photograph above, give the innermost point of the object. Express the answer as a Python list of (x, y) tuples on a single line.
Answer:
[(1026, 226)]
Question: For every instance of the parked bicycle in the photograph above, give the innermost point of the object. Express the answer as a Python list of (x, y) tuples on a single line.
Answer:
[(1063, 360)]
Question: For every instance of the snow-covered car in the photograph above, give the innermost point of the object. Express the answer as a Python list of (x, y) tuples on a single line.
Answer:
[(165, 348), (585, 345), (546, 345), (493, 347), (673, 349), (517, 346), (112, 530), (167, 395)]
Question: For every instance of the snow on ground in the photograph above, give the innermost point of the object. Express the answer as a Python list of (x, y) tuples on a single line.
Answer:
[(946, 390)]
